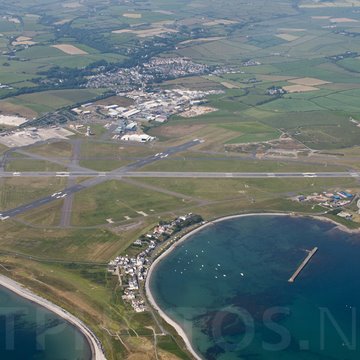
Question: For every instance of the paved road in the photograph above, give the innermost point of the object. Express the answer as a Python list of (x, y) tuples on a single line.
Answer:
[(97, 178)]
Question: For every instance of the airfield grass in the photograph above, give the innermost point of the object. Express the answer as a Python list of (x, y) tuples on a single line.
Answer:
[(215, 136), (18, 191), (103, 164), (251, 205), (237, 165), (16, 155), (254, 137), (257, 189), (3, 149), (115, 200), (56, 243), (48, 215), (99, 149), (57, 149), (18, 165)]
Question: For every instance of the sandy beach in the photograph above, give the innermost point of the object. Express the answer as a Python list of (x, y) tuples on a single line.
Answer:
[(150, 297), (95, 345)]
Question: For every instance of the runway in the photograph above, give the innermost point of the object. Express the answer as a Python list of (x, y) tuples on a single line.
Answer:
[(182, 174), (96, 178), (130, 171), (251, 175)]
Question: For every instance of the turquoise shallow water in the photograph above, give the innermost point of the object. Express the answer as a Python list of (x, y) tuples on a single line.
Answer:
[(28, 331), (227, 287)]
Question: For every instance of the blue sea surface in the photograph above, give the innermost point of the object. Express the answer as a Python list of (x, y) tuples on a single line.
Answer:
[(29, 331), (227, 287)]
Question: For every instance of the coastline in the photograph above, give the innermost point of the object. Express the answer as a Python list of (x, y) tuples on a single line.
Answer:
[(17, 288), (149, 295), (338, 225), (173, 323)]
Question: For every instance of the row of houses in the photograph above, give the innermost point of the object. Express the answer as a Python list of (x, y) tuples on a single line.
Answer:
[(132, 270)]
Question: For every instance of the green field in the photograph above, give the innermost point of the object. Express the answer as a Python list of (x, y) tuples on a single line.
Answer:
[(225, 189), (17, 165), (200, 164), (54, 149), (251, 132), (103, 165), (18, 191), (51, 100), (117, 200), (3, 148), (104, 150)]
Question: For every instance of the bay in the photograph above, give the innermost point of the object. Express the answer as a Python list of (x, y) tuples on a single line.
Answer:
[(227, 287)]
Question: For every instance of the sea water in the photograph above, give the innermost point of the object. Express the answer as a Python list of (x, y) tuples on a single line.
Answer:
[(29, 331), (227, 287)]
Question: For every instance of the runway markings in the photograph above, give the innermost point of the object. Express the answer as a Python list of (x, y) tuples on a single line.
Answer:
[(62, 174), (310, 175)]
